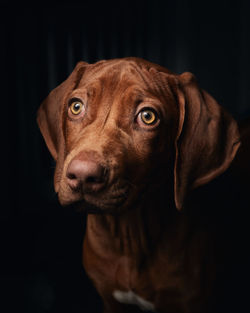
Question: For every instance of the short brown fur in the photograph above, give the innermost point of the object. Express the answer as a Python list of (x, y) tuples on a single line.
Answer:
[(141, 239)]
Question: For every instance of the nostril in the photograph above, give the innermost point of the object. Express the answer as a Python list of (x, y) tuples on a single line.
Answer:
[(96, 177), (93, 179), (71, 176), (73, 182)]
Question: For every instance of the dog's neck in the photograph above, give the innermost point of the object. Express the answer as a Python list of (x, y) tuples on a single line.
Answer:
[(135, 233)]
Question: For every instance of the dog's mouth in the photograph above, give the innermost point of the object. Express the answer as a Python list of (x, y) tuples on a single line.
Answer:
[(108, 200)]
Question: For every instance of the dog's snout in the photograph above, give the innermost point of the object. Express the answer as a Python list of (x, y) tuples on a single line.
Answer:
[(86, 175)]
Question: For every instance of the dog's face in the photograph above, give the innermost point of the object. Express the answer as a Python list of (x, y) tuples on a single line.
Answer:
[(115, 127)]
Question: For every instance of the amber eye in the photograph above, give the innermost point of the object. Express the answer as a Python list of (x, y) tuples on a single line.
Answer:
[(148, 117), (76, 107)]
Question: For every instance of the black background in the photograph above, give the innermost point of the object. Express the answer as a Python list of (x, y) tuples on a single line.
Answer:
[(40, 45)]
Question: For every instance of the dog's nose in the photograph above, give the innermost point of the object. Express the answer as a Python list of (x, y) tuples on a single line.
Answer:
[(86, 175)]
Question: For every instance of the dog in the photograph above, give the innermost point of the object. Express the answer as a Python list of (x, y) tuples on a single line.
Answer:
[(135, 145)]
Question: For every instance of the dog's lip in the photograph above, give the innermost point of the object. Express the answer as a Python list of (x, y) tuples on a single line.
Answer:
[(107, 200)]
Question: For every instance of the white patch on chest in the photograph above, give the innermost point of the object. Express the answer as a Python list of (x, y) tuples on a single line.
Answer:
[(129, 297)]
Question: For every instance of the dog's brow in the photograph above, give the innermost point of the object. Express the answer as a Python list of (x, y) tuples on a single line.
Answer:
[(106, 118)]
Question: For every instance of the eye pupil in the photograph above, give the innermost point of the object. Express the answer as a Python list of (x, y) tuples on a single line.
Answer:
[(76, 107), (148, 117)]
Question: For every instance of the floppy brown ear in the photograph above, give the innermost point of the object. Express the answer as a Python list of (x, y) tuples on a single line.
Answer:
[(207, 139), (49, 115)]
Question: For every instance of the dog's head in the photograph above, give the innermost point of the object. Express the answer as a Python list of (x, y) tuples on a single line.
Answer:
[(122, 127)]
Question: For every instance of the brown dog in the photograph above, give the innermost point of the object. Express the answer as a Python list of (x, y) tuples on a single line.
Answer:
[(131, 140)]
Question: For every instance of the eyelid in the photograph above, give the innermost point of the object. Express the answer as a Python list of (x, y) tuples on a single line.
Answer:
[(147, 108), (75, 99), (141, 108)]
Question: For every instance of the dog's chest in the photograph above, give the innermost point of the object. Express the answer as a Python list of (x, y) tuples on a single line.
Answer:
[(129, 297), (128, 278)]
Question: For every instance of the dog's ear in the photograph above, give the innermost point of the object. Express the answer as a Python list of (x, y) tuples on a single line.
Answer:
[(50, 112), (207, 139)]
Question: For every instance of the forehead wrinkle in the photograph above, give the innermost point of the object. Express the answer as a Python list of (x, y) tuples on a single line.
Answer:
[(111, 111), (154, 82), (104, 104), (107, 114), (113, 71), (101, 71), (141, 73)]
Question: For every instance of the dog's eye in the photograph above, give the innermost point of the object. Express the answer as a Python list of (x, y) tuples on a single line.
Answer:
[(148, 117), (76, 107)]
